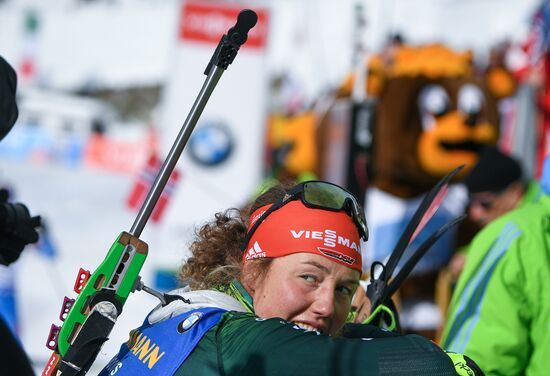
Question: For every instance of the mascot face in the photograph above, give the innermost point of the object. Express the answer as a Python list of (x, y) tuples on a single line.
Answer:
[(432, 116), (457, 120)]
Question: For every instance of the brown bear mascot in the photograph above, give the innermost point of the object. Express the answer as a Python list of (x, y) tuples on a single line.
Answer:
[(434, 112)]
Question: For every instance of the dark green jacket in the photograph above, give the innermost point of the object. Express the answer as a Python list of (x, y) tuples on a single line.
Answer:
[(243, 344), (236, 342)]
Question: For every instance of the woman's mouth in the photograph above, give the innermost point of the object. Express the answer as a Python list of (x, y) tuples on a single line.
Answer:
[(308, 327)]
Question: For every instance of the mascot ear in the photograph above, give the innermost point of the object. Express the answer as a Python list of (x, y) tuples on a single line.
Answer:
[(376, 77), (500, 81), (344, 90)]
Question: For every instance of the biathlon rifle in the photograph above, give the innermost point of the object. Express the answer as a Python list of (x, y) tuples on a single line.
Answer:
[(88, 320), (382, 286)]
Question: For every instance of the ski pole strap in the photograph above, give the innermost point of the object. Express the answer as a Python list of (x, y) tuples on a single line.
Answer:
[(384, 315), (231, 42), (377, 287)]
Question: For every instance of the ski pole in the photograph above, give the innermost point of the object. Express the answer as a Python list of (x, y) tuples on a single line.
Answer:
[(88, 320), (380, 285)]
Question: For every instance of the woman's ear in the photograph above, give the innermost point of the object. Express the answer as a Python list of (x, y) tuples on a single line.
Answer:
[(253, 274), (248, 278)]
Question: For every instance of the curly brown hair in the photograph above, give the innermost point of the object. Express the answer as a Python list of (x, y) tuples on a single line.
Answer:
[(217, 250)]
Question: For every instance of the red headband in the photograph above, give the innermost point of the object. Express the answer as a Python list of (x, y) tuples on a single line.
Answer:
[(295, 228)]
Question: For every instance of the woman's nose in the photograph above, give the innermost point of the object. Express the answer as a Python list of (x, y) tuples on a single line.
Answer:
[(324, 302)]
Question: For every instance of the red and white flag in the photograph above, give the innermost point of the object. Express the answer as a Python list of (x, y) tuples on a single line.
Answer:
[(143, 184)]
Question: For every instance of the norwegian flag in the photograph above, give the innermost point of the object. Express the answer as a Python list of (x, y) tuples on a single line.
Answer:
[(537, 42), (143, 184)]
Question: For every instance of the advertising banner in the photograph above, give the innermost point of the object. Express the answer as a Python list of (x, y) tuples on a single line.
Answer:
[(222, 161)]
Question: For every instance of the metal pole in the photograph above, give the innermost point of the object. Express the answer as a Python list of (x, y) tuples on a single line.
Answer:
[(223, 56), (176, 150)]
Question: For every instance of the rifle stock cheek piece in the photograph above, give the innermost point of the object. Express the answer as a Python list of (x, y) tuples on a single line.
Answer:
[(128, 239)]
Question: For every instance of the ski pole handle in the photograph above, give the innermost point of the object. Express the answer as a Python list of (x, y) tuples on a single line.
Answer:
[(231, 42)]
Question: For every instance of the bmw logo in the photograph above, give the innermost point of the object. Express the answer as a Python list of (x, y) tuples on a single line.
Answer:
[(211, 144), (188, 323)]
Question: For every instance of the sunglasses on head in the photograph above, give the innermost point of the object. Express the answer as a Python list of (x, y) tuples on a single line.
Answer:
[(319, 195)]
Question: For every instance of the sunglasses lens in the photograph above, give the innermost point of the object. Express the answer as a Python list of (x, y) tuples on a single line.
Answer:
[(331, 196), (324, 195)]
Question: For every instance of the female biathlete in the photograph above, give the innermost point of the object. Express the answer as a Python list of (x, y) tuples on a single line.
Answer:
[(274, 297)]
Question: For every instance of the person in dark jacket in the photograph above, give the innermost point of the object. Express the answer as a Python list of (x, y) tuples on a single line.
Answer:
[(17, 228)]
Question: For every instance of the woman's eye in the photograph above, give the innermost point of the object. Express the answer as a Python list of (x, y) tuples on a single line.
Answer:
[(309, 278), (343, 290)]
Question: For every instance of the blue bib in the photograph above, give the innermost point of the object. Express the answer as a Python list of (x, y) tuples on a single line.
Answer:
[(160, 349)]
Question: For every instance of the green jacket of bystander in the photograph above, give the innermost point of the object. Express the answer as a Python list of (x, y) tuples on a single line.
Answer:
[(500, 311)]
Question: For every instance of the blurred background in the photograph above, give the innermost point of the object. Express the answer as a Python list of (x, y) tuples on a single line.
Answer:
[(105, 85)]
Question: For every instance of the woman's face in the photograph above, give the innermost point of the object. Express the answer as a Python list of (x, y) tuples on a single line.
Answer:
[(306, 289)]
